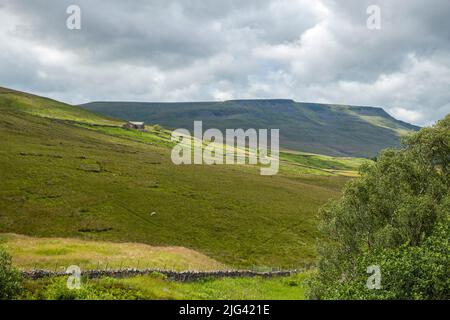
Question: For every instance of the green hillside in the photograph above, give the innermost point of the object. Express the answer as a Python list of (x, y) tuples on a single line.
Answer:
[(63, 177), (20, 101), (334, 130)]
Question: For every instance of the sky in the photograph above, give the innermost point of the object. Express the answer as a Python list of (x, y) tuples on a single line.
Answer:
[(192, 50)]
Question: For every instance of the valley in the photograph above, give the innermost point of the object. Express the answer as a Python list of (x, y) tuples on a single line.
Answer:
[(77, 188), (63, 177)]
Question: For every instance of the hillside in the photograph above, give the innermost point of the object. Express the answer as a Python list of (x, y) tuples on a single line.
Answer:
[(334, 130), (50, 253), (63, 177), (13, 100)]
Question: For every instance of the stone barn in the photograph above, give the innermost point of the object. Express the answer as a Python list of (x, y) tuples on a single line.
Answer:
[(134, 125)]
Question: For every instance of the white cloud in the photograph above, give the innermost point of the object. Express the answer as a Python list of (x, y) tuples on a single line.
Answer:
[(407, 115)]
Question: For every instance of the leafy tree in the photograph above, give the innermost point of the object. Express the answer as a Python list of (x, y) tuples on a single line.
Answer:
[(10, 279), (396, 215)]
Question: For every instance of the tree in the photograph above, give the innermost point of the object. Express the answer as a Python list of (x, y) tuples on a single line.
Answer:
[(393, 217), (10, 278)]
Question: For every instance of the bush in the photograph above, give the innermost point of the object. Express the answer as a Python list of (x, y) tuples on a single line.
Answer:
[(396, 215), (10, 278), (407, 272)]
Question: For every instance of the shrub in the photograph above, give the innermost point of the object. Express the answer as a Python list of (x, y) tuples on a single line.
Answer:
[(396, 215), (10, 278), (407, 272)]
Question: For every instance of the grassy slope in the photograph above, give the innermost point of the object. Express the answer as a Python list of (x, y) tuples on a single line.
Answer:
[(318, 128), (61, 179), (44, 107), (56, 253)]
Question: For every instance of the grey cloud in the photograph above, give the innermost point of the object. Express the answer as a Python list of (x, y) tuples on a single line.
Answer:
[(202, 50)]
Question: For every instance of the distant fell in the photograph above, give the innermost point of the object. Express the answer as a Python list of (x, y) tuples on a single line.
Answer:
[(336, 130)]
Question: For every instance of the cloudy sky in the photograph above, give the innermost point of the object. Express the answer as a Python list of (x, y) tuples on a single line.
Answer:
[(189, 50)]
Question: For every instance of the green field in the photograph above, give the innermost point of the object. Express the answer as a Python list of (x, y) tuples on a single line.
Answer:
[(57, 254), (156, 287)]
